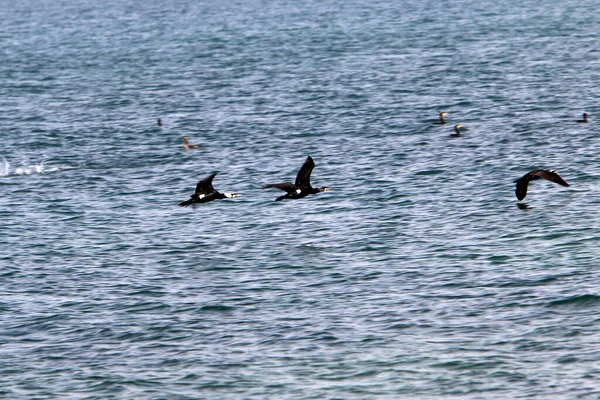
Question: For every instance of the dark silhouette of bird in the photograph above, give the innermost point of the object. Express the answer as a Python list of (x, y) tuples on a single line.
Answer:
[(205, 192), (456, 130), (522, 182), (585, 116), (301, 188), (188, 146), (442, 120), (159, 122)]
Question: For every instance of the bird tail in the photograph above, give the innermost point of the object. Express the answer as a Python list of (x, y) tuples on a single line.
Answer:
[(186, 203)]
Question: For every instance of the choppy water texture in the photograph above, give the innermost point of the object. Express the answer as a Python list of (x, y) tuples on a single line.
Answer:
[(417, 276)]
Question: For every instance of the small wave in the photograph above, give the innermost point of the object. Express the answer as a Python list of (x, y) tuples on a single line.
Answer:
[(586, 300), (216, 308), (431, 172)]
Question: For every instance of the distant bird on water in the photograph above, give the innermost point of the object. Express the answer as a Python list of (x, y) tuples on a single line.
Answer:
[(159, 122), (585, 116), (522, 182), (205, 192), (301, 188), (457, 130), (188, 146), (442, 120)]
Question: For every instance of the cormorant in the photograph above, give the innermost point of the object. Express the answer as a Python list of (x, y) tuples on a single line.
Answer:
[(205, 192), (301, 188), (522, 182), (585, 115), (442, 120), (457, 130), (188, 146)]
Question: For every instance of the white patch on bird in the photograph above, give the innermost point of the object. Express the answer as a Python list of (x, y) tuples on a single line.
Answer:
[(298, 191), (231, 195), (201, 196)]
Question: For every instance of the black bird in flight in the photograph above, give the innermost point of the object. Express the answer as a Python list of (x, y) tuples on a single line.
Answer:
[(205, 192), (522, 182), (301, 188)]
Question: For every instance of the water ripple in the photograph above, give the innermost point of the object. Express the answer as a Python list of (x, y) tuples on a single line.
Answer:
[(417, 276)]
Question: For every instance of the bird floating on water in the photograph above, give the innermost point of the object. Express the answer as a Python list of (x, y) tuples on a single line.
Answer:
[(585, 118), (188, 146), (456, 130), (522, 182), (301, 188), (159, 122), (442, 120), (205, 192)]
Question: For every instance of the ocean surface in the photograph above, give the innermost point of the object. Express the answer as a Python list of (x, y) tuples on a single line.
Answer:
[(418, 276)]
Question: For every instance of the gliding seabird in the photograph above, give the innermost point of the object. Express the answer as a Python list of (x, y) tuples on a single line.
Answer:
[(301, 188), (205, 192), (522, 182)]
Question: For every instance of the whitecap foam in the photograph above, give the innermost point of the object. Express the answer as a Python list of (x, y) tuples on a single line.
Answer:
[(4, 166), (30, 169), (27, 168)]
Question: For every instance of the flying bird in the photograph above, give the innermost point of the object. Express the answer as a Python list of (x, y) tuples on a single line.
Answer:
[(301, 188), (522, 182), (205, 192)]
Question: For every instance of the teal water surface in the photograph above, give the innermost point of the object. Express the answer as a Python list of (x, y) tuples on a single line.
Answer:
[(417, 276)]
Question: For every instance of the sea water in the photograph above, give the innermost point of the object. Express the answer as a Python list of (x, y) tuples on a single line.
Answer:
[(418, 275)]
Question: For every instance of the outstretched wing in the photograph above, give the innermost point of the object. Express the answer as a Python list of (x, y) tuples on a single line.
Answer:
[(303, 177), (205, 185), (521, 190), (552, 176), (287, 186)]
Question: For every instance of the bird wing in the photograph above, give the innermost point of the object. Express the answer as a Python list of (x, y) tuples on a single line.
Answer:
[(551, 176), (521, 189), (205, 185), (287, 186), (303, 177)]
